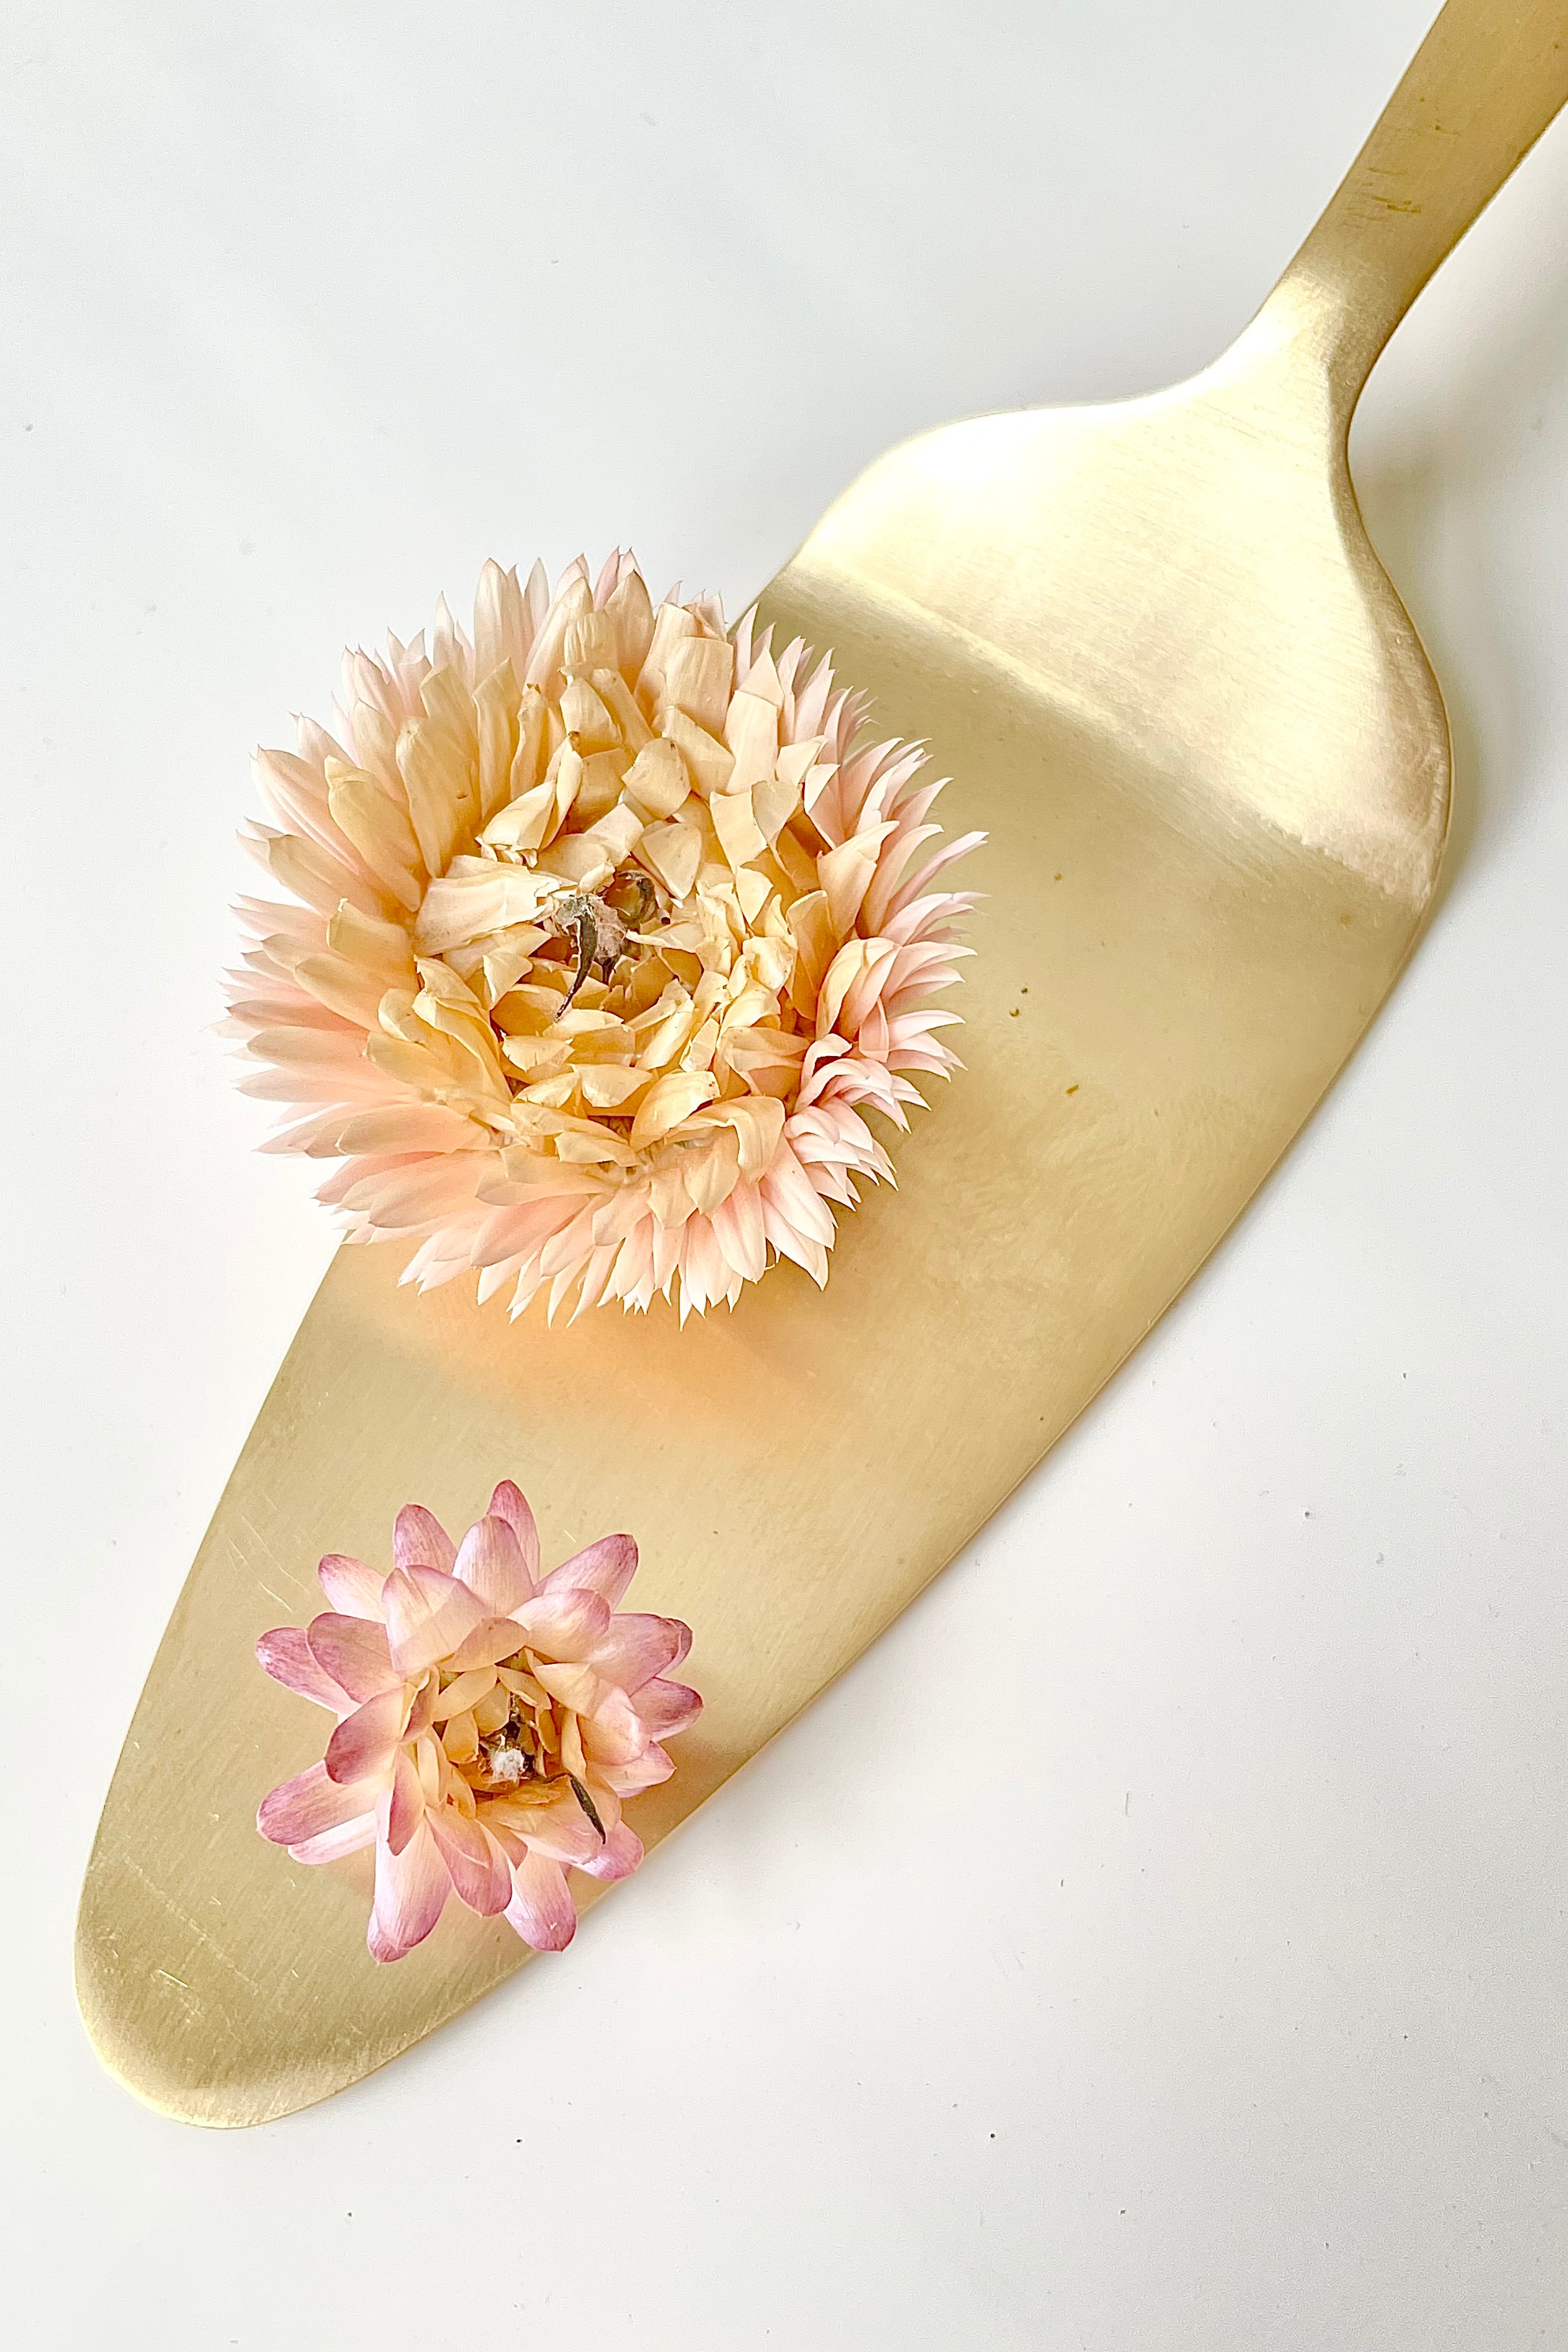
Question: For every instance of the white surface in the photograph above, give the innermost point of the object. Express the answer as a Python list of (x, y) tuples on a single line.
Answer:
[(1221, 2006)]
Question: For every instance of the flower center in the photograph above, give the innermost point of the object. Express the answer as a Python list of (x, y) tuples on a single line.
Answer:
[(501, 1732), (507, 1757), (603, 928), (609, 973)]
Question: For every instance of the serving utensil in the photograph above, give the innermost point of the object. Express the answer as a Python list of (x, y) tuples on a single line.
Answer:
[(1156, 648)]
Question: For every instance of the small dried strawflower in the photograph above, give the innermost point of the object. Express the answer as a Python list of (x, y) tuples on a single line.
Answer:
[(609, 929), (489, 1723)]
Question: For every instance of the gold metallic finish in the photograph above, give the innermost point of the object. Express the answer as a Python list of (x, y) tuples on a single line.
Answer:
[(1154, 646)]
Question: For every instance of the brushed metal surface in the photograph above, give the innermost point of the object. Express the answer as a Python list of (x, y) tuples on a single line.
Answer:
[(1157, 650)]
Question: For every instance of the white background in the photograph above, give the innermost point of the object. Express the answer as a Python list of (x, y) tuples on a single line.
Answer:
[(1221, 2006)]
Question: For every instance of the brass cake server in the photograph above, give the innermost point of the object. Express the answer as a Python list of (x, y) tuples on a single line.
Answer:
[(1154, 646)]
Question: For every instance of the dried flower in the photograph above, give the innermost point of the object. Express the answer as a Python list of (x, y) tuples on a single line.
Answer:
[(608, 932), (489, 1724)]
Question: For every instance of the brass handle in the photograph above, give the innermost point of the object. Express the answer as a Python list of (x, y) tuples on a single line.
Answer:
[(1480, 90)]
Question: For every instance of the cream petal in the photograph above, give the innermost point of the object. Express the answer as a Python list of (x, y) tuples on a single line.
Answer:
[(670, 623), (375, 820), (461, 1737), (698, 678), (497, 620), (668, 1101), (657, 780), (741, 1232), (631, 609), (409, 1127), (704, 1271), (574, 599)]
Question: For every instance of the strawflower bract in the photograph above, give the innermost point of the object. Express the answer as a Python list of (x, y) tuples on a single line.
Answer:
[(607, 928), (489, 1723)]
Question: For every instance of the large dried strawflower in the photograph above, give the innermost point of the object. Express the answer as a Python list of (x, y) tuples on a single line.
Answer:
[(609, 931), (489, 1722)]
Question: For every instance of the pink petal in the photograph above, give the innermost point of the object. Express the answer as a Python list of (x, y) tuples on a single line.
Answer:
[(607, 1804), (576, 1687), (411, 1891), (605, 1568), (419, 1540), (511, 1845), (496, 1638), (404, 1801), (422, 1713), (428, 1613), (491, 1563), (510, 1503), (556, 1826), (352, 1586), (363, 1744), (466, 1691), (637, 1648), (618, 1856), (479, 1870), (353, 1653), (310, 1804), (666, 1707), (541, 1909), (333, 1844), (566, 1623), (287, 1656), (612, 1732), (647, 1770)]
